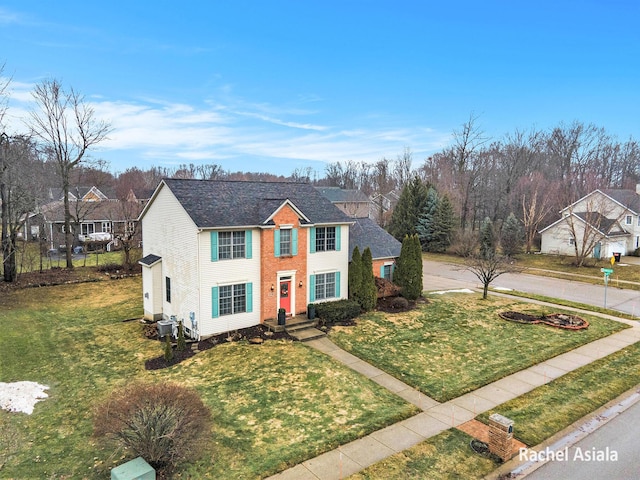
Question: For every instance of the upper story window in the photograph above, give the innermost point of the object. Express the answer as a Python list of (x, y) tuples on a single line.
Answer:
[(167, 289), (628, 219), (285, 241), (231, 245), (325, 239)]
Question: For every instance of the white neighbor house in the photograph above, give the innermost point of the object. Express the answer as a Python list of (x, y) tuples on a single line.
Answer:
[(610, 218), (225, 255)]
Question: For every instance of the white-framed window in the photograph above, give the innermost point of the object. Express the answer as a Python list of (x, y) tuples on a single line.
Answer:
[(572, 241), (233, 299), (325, 239), (87, 228), (231, 245), (106, 227), (167, 289), (285, 241), (129, 228), (325, 286), (628, 219)]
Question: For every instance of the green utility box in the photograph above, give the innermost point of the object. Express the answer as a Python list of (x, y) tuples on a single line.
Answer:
[(136, 469)]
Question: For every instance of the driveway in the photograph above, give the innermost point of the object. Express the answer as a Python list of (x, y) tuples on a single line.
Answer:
[(445, 276)]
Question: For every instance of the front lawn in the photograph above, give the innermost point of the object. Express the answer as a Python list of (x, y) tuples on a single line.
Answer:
[(542, 412), (273, 405), (457, 343), (445, 456)]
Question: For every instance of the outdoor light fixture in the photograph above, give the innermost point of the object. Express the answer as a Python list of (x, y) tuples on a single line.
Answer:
[(300, 284), (273, 287)]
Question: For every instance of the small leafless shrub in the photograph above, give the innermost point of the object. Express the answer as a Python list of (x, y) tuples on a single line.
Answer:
[(163, 423)]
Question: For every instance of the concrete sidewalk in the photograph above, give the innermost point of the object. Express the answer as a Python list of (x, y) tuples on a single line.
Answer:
[(438, 417)]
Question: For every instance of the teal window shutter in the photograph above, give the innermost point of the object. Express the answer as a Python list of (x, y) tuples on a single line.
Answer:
[(248, 237), (276, 242), (338, 238), (337, 284), (294, 241), (214, 246), (249, 296), (214, 302), (312, 288), (381, 271), (312, 246)]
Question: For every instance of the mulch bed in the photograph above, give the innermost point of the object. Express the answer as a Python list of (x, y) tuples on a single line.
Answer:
[(558, 320), (257, 334), (398, 304)]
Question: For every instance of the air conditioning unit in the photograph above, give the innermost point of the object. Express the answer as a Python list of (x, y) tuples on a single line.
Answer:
[(164, 328)]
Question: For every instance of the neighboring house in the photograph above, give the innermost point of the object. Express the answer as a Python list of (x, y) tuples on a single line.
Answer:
[(85, 194), (95, 219), (352, 202), (601, 223), (382, 206), (385, 249), (225, 255)]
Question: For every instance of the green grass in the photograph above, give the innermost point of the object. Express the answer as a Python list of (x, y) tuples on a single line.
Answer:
[(457, 343), (548, 409), (537, 416), (273, 405), (445, 456)]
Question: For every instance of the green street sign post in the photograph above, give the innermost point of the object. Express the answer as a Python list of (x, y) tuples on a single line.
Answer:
[(607, 272)]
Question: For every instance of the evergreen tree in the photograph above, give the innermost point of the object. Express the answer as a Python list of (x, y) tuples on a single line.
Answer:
[(369, 290), (487, 239), (425, 228), (408, 274), (182, 342), (512, 236), (444, 225), (355, 276), (405, 214)]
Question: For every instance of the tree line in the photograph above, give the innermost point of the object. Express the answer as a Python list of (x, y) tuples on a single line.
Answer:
[(530, 174)]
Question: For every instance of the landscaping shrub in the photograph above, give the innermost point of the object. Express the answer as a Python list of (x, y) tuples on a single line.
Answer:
[(338, 311), (163, 423), (181, 342), (168, 349), (110, 267)]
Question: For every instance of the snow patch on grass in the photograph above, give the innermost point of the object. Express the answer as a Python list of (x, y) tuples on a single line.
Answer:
[(21, 396), (460, 290)]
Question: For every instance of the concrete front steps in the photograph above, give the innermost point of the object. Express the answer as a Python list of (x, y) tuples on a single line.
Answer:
[(299, 328)]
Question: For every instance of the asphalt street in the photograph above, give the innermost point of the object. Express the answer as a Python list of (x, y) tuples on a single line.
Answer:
[(611, 452), (438, 275)]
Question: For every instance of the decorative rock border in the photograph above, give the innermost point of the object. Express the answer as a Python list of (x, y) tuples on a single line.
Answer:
[(558, 320)]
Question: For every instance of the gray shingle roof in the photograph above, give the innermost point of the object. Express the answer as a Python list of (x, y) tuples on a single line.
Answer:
[(149, 260), (340, 195), (367, 233), (628, 198), (218, 203)]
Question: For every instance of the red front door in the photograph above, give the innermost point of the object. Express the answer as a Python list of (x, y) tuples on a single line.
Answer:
[(285, 295)]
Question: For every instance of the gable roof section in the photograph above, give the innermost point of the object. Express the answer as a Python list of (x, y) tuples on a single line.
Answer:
[(606, 226), (220, 203), (627, 198), (367, 233)]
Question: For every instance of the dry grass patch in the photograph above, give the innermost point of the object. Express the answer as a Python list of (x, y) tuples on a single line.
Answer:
[(457, 343), (445, 456), (272, 405)]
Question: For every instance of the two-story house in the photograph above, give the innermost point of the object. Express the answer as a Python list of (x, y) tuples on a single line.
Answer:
[(603, 223), (225, 255)]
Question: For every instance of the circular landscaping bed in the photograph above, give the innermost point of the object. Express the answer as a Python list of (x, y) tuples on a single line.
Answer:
[(558, 320)]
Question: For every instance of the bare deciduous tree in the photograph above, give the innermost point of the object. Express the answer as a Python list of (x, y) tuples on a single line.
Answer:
[(66, 123)]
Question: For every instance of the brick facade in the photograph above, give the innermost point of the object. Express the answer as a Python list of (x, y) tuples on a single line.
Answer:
[(273, 268)]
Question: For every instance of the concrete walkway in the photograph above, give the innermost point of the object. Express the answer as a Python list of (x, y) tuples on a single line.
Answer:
[(438, 417)]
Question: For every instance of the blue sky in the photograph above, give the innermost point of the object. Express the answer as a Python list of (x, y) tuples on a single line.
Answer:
[(276, 85)]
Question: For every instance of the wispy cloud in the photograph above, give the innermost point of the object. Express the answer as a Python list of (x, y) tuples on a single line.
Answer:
[(8, 17), (151, 131)]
